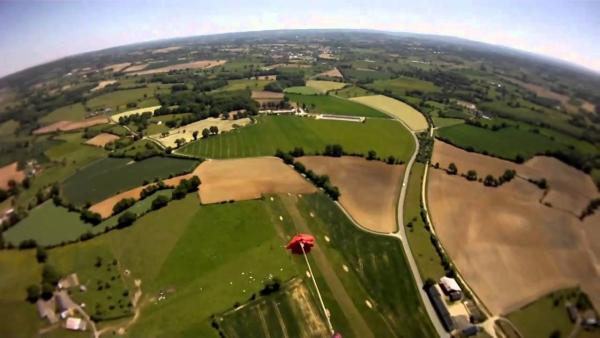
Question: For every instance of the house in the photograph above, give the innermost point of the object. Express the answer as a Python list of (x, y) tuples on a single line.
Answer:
[(46, 310), (68, 281), (451, 288), (75, 324)]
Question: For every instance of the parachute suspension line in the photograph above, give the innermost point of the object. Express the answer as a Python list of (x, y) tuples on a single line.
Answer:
[(312, 276)]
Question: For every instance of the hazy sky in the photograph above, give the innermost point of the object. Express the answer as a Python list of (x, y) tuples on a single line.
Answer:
[(35, 32)]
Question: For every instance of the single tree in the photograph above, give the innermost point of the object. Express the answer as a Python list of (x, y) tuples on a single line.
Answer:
[(41, 255), (33, 293), (452, 170), (371, 155), (205, 133), (472, 175), (195, 134)]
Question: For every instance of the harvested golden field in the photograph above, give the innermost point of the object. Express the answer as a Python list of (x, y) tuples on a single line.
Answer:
[(262, 96), (103, 84), (10, 172), (369, 189), (332, 73), (570, 189), (187, 132), (71, 125), (102, 139), (409, 115), (117, 67), (325, 86), (105, 207), (136, 68), (201, 64), (248, 178), (510, 248)]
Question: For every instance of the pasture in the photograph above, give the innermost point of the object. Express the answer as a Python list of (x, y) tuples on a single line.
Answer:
[(352, 91), (110, 176), (270, 133), (118, 99), (8, 128), (301, 90), (73, 112), (506, 143), (252, 84), (324, 86), (409, 115), (369, 189), (400, 86), (327, 104), (386, 281), (186, 132), (47, 224)]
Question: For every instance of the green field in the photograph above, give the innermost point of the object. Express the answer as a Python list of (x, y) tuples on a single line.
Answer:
[(325, 86), (242, 84), (327, 104), (47, 224), (403, 84), (544, 310), (110, 176), (386, 137), (66, 158), (8, 128), (506, 143), (424, 252), (386, 279), (352, 91), (302, 90), (118, 100), (73, 112), (441, 122)]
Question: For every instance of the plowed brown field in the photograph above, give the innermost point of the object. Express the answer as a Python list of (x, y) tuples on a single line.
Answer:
[(102, 139), (369, 189), (10, 172)]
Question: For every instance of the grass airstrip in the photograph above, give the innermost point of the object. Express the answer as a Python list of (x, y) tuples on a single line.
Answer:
[(384, 136)]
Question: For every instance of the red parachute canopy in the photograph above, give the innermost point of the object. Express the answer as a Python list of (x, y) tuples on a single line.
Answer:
[(337, 335), (294, 244)]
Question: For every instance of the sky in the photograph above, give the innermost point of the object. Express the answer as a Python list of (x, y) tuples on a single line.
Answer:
[(34, 32)]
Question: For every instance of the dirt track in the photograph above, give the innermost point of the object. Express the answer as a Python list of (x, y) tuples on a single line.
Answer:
[(369, 189), (510, 248), (248, 178)]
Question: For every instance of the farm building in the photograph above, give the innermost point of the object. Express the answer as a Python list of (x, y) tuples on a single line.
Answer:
[(347, 118), (440, 308), (451, 288), (64, 301), (75, 324), (46, 310)]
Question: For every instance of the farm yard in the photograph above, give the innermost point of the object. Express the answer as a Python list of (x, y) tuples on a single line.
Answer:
[(369, 189), (409, 115), (110, 176), (187, 132), (386, 137), (243, 179)]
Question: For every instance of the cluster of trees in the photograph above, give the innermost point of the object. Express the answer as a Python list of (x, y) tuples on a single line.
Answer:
[(541, 183), (151, 189), (590, 209), (186, 186), (286, 80), (321, 181), (488, 181), (494, 127), (425, 147), (123, 204), (50, 277), (203, 105), (139, 120)]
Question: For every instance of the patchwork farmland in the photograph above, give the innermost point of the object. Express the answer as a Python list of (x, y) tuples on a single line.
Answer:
[(386, 137)]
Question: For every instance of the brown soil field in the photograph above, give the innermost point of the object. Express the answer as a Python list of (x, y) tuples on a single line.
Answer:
[(102, 139), (202, 64), (248, 178), (570, 189), (369, 189), (10, 172), (103, 84), (510, 248), (117, 67), (332, 73), (263, 96), (105, 207), (71, 125)]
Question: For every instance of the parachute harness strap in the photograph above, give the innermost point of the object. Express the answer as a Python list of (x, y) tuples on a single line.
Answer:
[(312, 276)]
